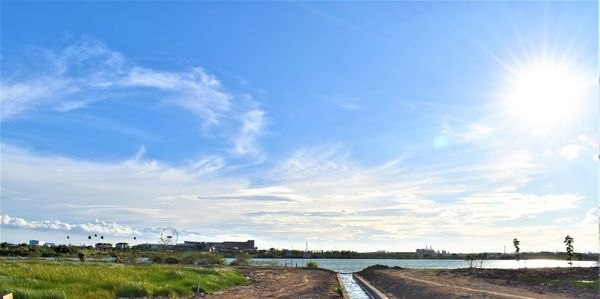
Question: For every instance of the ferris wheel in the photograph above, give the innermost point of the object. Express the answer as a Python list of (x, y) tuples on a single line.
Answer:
[(168, 236)]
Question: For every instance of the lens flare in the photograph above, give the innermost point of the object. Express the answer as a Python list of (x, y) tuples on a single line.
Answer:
[(544, 95)]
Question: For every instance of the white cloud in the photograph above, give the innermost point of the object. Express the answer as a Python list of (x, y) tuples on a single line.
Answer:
[(350, 106), (588, 141), (88, 71), (47, 225), (253, 125), (476, 131), (140, 153), (316, 193), (570, 152)]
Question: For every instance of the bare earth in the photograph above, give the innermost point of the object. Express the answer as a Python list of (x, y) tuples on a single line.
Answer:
[(484, 283), (282, 282)]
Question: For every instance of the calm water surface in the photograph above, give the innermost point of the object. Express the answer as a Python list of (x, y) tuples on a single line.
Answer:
[(355, 265)]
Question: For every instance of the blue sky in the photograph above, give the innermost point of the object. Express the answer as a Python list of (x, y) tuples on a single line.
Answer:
[(363, 126)]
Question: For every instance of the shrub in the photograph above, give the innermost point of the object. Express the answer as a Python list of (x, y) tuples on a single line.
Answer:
[(34, 252), (242, 259), (202, 258), (171, 260), (158, 258), (312, 264), (64, 249), (81, 256)]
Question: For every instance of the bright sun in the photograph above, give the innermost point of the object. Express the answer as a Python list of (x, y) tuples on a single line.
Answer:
[(544, 94)]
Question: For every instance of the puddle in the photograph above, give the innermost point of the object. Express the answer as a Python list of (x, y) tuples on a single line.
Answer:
[(355, 291)]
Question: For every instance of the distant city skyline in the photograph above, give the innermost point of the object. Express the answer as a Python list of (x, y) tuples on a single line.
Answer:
[(358, 126)]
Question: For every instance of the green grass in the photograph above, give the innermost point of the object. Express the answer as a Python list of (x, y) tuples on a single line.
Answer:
[(586, 284), (52, 279)]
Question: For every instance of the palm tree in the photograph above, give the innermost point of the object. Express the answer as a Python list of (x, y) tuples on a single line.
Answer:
[(516, 243), (569, 243)]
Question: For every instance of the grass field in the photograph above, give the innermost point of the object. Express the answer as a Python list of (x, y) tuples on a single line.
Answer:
[(52, 279)]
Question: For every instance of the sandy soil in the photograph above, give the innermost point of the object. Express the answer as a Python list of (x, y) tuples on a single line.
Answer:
[(482, 283), (282, 282)]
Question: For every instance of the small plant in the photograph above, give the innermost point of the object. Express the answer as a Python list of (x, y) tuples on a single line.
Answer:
[(570, 252), (312, 264), (81, 256), (242, 259), (470, 258), (516, 243)]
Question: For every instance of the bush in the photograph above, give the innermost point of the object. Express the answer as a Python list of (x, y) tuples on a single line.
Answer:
[(215, 259), (242, 259), (64, 249), (130, 258), (205, 259), (312, 264), (34, 252), (171, 260), (81, 256), (158, 258)]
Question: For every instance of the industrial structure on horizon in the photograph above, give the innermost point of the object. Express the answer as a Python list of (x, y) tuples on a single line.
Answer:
[(428, 251), (218, 246)]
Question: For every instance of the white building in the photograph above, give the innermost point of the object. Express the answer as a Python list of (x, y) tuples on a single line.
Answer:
[(36, 243)]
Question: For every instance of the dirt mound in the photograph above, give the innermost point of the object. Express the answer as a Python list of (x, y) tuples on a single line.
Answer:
[(577, 273), (381, 267), (486, 283), (283, 282)]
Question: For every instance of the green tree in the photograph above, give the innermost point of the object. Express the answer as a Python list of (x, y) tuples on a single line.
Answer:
[(569, 244), (470, 258), (516, 243)]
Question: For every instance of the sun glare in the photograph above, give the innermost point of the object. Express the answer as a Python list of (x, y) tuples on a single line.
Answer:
[(543, 95)]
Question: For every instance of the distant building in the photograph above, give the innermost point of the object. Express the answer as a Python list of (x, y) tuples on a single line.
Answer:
[(428, 251), (122, 245), (50, 245), (36, 243), (248, 245), (103, 246), (218, 246)]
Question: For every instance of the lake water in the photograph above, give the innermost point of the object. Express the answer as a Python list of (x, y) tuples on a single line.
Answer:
[(355, 265)]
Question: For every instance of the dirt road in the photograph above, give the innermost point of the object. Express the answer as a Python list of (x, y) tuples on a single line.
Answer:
[(281, 282), (486, 283)]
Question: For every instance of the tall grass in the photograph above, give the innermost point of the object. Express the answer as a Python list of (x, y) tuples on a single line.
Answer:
[(52, 279)]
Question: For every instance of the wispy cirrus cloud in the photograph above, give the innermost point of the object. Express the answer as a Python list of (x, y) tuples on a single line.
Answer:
[(87, 71), (253, 124)]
